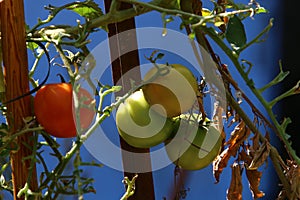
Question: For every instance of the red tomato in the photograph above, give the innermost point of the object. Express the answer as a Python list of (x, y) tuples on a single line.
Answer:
[(53, 107)]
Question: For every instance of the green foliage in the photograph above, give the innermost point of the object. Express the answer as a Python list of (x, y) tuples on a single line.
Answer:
[(88, 9), (212, 24), (235, 33)]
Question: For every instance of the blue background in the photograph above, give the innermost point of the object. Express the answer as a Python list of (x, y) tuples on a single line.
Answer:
[(264, 56)]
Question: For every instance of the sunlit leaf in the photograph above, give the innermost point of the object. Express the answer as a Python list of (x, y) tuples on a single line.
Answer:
[(261, 10), (88, 9), (206, 12), (218, 22), (32, 45)]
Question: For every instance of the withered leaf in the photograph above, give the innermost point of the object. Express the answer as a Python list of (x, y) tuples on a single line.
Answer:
[(235, 189), (238, 136), (218, 117), (253, 177), (244, 156), (220, 163), (293, 175), (260, 155), (255, 141)]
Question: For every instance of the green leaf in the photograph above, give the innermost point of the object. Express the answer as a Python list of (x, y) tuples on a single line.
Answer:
[(261, 10), (279, 78), (88, 9), (235, 33), (285, 123), (170, 4), (32, 45)]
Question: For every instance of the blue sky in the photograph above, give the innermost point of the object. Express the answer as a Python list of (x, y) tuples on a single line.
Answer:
[(108, 182)]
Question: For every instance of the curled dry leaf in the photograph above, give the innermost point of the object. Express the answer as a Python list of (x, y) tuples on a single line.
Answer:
[(220, 163), (255, 142), (293, 175), (218, 117), (260, 156), (238, 136), (253, 177), (235, 189), (295, 183)]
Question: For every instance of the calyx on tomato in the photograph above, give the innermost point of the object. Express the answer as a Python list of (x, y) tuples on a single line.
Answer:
[(139, 125), (193, 146), (176, 89), (54, 109)]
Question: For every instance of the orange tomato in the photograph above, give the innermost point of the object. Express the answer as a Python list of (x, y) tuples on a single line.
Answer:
[(54, 109), (175, 91)]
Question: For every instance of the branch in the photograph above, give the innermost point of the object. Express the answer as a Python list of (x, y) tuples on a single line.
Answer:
[(233, 56)]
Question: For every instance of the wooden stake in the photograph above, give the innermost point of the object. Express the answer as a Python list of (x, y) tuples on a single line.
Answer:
[(16, 78), (124, 63)]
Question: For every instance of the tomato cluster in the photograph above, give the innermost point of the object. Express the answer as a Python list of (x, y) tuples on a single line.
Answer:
[(156, 114), (54, 109)]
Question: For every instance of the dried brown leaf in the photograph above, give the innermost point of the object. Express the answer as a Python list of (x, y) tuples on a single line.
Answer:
[(282, 195), (254, 181), (235, 189), (244, 156), (253, 175), (218, 117), (267, 136), (255, 142), (260, 156), (293, 175), (238, 135), (220, 163)]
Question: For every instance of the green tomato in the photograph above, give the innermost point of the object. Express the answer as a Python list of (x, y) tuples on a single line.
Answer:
[(139, 125), (175, 90), (193, 146)]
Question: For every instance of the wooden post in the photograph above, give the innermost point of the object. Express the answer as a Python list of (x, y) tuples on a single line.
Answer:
[(124, 63), (16, 78)]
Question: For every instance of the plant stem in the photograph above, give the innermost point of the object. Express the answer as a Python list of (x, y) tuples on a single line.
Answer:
[(233, 56), (274, 155)]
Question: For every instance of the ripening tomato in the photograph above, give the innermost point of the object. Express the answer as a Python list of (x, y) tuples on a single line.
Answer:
[(54, 109), (195, 146), (175, 90), (139, 125)]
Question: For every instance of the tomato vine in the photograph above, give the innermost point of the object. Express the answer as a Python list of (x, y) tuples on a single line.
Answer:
[(223, 25)]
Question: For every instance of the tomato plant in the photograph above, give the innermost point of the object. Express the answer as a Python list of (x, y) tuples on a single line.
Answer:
[(139, 125), (194, 146), (175, 89), (53, 107), (218, 33)]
